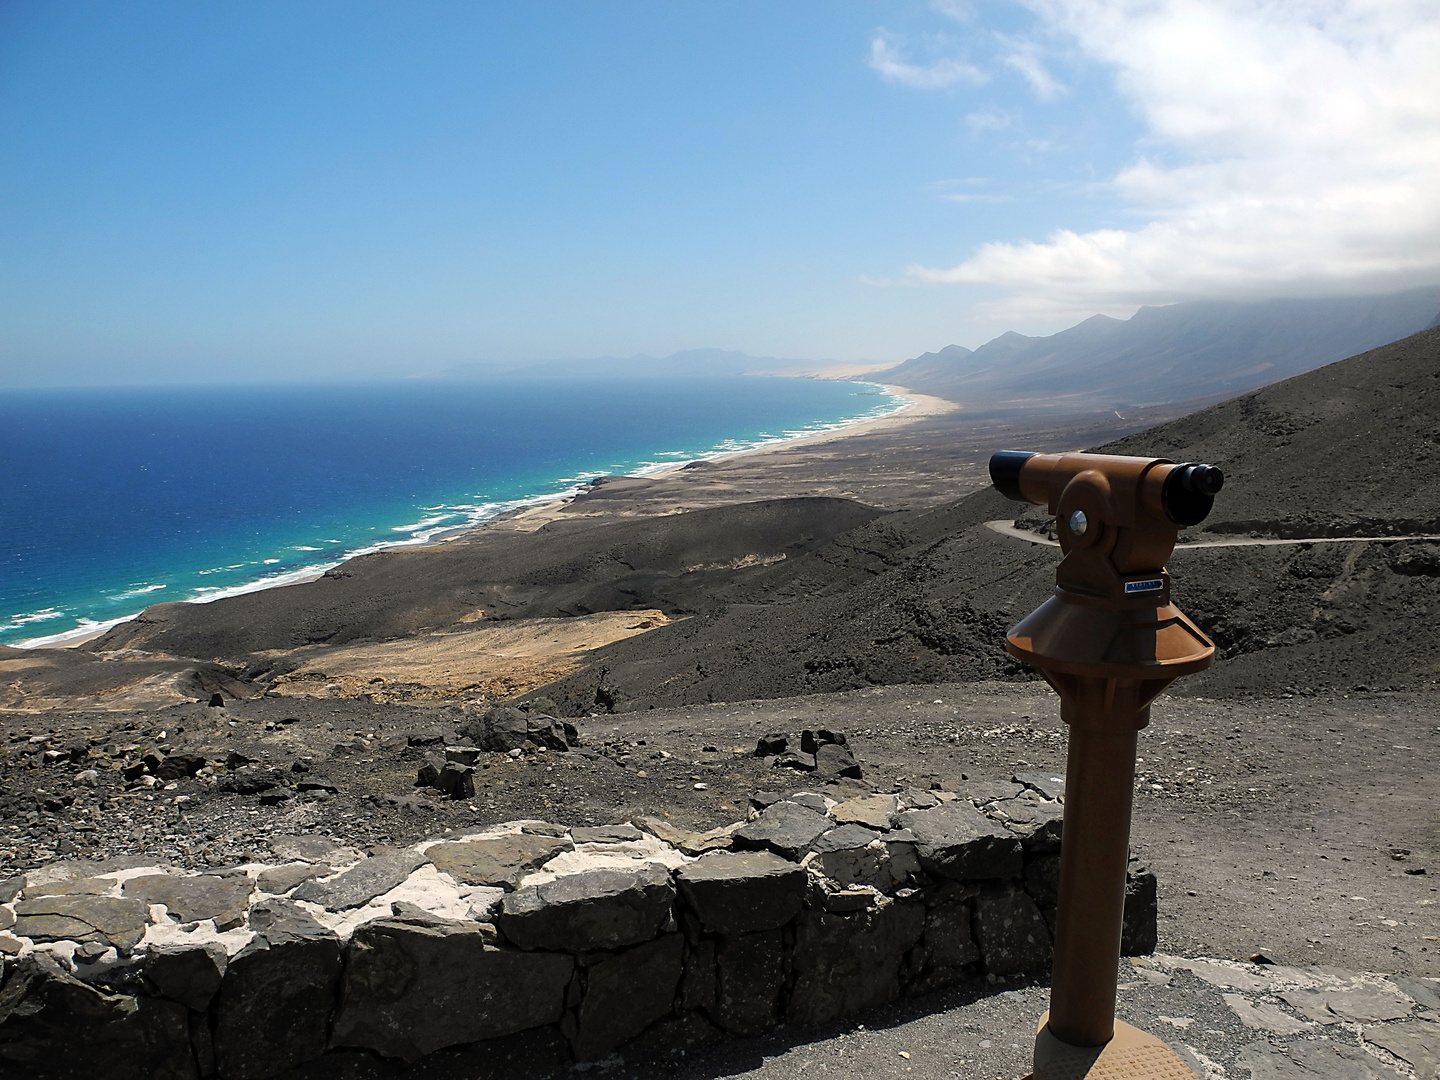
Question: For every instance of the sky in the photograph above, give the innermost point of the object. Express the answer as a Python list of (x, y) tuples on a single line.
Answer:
[(197, 191)]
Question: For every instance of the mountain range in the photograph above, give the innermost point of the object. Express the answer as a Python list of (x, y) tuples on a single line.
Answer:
[(1181, 352)]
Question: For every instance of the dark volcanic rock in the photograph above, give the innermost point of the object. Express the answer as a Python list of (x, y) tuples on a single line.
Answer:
[(955, 840), (58, 1028), (1011, 932), (948, 939), (363, 882), (409, 990), (504, 728), (594, 909), (845, 963), (737, 893), (500, 861), (1049, 784), (177, 766), (189, 975), (771, 745), (785, 828), (624, 994), (1139, 933), (749, 974), (834, 759), (190, 899), (274, 1006), (606, 834)]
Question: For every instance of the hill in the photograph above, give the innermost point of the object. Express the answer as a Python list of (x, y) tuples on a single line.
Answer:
[(1350, 449), (1201, 350)]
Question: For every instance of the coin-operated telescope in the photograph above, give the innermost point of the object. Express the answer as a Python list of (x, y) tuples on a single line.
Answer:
[(1109, 642)]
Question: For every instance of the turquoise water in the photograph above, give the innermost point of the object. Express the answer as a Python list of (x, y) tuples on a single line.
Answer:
[(118, 498)]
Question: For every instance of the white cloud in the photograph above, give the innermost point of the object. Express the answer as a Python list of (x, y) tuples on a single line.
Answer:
[(1024, 57), (888, 59), (989, 120), (1293, 147)]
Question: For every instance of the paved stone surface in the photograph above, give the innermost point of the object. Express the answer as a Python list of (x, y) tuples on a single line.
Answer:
[(1415, 1042), (282, 879), (876, 811), (1049, 784), (311, 848)]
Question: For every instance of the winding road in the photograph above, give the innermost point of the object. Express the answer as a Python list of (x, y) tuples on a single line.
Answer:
[(1007, 528)]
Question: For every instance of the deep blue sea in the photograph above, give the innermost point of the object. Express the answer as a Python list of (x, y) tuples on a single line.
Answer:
[(112, 499)]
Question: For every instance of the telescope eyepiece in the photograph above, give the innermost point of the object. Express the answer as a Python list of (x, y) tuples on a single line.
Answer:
[(1005, 466), (1190, 491)]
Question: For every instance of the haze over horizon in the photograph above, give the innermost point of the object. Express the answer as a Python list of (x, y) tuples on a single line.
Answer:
[(203, 194)]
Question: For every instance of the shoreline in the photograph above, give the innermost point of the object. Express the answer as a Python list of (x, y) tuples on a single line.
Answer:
[(535, 511)]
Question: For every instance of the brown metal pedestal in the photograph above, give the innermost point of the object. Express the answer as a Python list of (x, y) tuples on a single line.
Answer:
[(1109, 641)]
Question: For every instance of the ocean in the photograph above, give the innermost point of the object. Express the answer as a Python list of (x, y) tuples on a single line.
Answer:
[(113, 499)]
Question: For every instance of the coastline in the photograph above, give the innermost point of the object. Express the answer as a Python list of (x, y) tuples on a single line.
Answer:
[(533, 512)]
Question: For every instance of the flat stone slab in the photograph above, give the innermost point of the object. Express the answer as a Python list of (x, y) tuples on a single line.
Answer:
[(281, 879), (1365, 1004), (363, 882), (191, 899), (605, 834), (876, 811), (981, 792), (280, 922), (742, 892), (499, 861), (1415, 1042), (312, 848), (955, 840), (593, 909), (785, 827), (94, 886), (120, 920)]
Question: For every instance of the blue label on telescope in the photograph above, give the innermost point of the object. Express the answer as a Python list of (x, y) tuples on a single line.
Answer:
[(1149, 585)]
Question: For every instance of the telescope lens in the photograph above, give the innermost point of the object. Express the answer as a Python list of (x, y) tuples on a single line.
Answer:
[(1207, 479), (1189, 492), (1005, 466)]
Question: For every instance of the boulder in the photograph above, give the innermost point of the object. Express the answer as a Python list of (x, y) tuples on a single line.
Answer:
[(593, 909), (739, 893), (363, 882), (409, 989), (785, 828), (499, 861), (274, 1005), (503, 728), (1010, 932), (771, 745), (749, 974), (852, 855), (190, 899), (833, 759), (178, 766), (190, 975), (955, 840), (625, 994), (59, 1028), (1140, 932), (846, 963)]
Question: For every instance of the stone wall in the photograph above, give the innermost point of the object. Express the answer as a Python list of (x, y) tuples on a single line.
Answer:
[(530, 939)]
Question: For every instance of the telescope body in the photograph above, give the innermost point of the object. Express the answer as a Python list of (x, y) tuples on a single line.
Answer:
[(1108, 641)]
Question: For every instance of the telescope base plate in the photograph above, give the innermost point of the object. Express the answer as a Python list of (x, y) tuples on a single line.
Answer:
[(1131, 1055)]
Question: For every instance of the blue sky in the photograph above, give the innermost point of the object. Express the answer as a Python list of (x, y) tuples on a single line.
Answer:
[(206, 191)]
